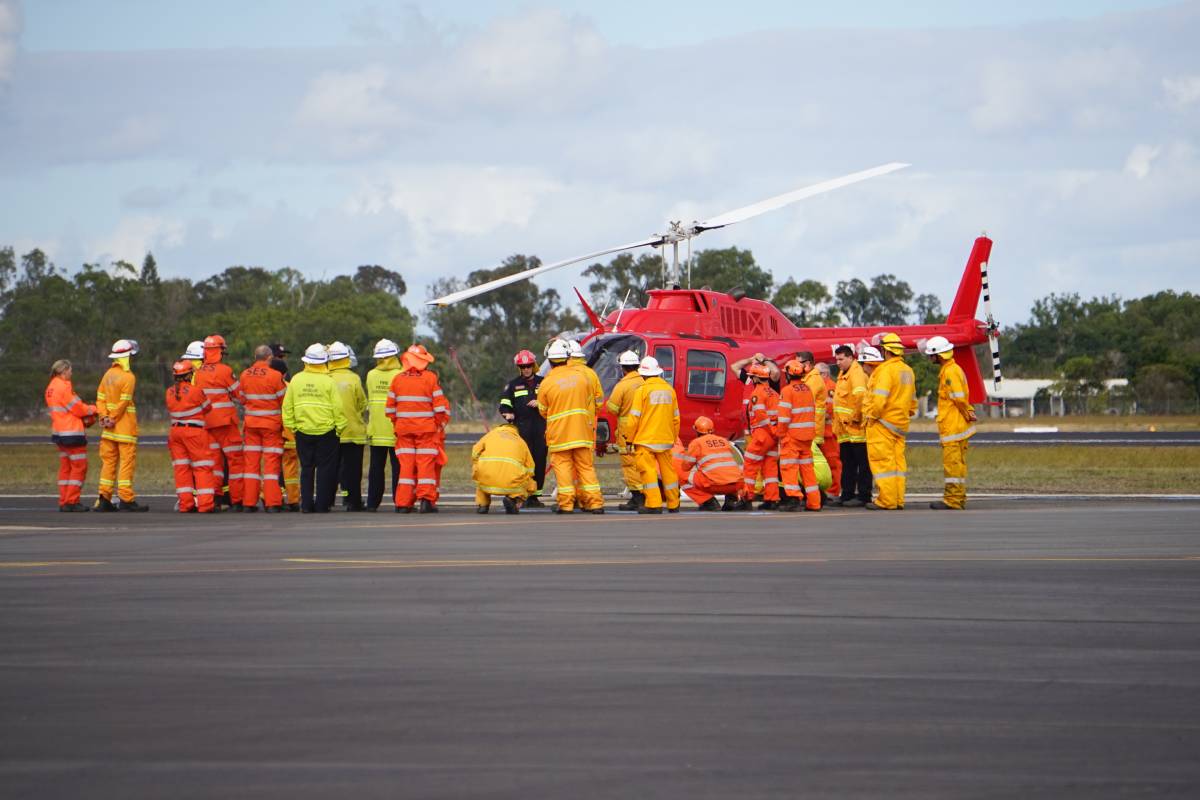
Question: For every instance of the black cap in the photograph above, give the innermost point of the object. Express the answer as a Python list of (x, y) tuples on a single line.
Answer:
[(279, 351)]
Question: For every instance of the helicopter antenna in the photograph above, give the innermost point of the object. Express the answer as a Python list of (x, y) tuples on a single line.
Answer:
[(617, 323)]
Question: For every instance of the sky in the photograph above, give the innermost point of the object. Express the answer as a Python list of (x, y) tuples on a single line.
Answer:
[(436, 139)]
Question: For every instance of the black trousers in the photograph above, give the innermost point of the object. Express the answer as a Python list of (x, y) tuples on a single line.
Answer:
[(380, 456), (350, 460), (856, 471), (318, 456), (535, 439)]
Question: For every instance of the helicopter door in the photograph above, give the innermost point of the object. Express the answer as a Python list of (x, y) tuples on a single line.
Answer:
[(706, 373)]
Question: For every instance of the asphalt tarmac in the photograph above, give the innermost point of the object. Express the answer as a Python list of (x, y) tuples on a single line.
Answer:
[(1020, 649)]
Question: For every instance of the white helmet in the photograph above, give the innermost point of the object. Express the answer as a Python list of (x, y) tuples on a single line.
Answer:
[(315, 354), (337, 351), (649, 367), (558, 351), (937, 345), (574, 348), (123, 348), (385, 348), (195, 351), (353, 357), (869, 355), (628, 359)]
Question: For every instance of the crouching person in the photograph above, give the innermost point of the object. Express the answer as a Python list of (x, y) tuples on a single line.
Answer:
[(712, 469), (502, 465)]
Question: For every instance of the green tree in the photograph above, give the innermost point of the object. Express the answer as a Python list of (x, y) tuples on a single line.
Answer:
[(731, 268), (854, 301), (625, 279), (807, 303), (149, 273), (927, 310)]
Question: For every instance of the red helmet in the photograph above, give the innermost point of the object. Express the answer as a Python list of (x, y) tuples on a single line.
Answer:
[(216, 340), (525, 359), (759, 371), (181, 368), (703, 425)]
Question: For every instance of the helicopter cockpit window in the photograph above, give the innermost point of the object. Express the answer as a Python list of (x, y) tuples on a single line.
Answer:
[(666, 359), (706, 372), (603, 351)]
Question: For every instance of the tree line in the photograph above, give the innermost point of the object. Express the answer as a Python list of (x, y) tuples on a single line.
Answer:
[(47, 313)]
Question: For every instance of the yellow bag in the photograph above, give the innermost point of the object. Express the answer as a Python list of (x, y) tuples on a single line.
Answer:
[(821, 467)]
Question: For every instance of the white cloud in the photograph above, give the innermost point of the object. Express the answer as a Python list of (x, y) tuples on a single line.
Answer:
[(10, 34), (1140, 159), (1182, 92), (134, 236)]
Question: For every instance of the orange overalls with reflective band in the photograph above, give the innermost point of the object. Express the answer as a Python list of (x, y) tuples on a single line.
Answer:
[(67, 432), (261, 390), (220, 387), (711, 468), (419, 412), (796, 428), (118, 444), (762, 446), (188, 442), (829, 447), (567, 401), (653, 427)]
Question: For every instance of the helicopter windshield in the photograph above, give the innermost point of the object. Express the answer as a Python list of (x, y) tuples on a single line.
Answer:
[(603, 351)]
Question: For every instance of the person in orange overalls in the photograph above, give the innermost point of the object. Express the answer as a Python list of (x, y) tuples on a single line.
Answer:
[(118, 439), (261, 390), (220, 387), (796, 429), (420, 413), (189, 443), (762, 446), (68, 417), (710, 468)]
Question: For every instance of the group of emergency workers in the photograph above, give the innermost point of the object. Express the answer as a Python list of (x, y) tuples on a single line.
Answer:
[(810, 441)]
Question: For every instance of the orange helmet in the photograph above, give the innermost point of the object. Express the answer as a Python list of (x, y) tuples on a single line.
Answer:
[(525, 359), (793, 368), (216, 340), (759, 371), (181, 368), (703, 425)]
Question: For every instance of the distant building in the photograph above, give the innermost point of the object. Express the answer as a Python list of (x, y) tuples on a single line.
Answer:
[(1028, 397)]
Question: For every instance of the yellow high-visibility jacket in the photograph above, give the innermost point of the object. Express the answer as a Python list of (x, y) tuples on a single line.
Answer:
[(848, 399), (354, 403), (312, 404), (593, 381), (501, 462), (892, 399), (114, 398), (381, 431), (817, 384), (953, 403), (567, 401), (653, 420), (621, 400)]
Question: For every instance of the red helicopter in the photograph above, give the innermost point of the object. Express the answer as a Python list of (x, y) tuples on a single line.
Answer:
[(696, 334)]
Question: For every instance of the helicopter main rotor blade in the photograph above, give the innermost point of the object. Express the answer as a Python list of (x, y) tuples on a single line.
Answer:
[(779, 201), (474, 291)]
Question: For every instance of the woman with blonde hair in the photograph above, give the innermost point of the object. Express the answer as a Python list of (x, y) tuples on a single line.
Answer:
[(68, 417)]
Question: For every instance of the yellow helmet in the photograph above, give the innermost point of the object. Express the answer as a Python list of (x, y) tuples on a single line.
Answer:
[(891, 342)]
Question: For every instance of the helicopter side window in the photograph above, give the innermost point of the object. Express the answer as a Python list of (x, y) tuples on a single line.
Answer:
[(706, 370), (666, 359)]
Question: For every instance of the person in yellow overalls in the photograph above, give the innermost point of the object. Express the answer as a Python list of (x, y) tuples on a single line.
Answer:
[(653, 427), (619, 403), (501, 464), (955, 421), (891, 402), (567, 401), (119, 430)]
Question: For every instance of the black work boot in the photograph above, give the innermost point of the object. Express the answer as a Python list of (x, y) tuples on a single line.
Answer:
[(939, 505), (710, 504), (768, 505), (730, 503), (636, 500), (403, 509), (533, 501), (482, 509), (427, 507), (132, 505), (743, 505), (104, 504), (510, 506), (644, 510)]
